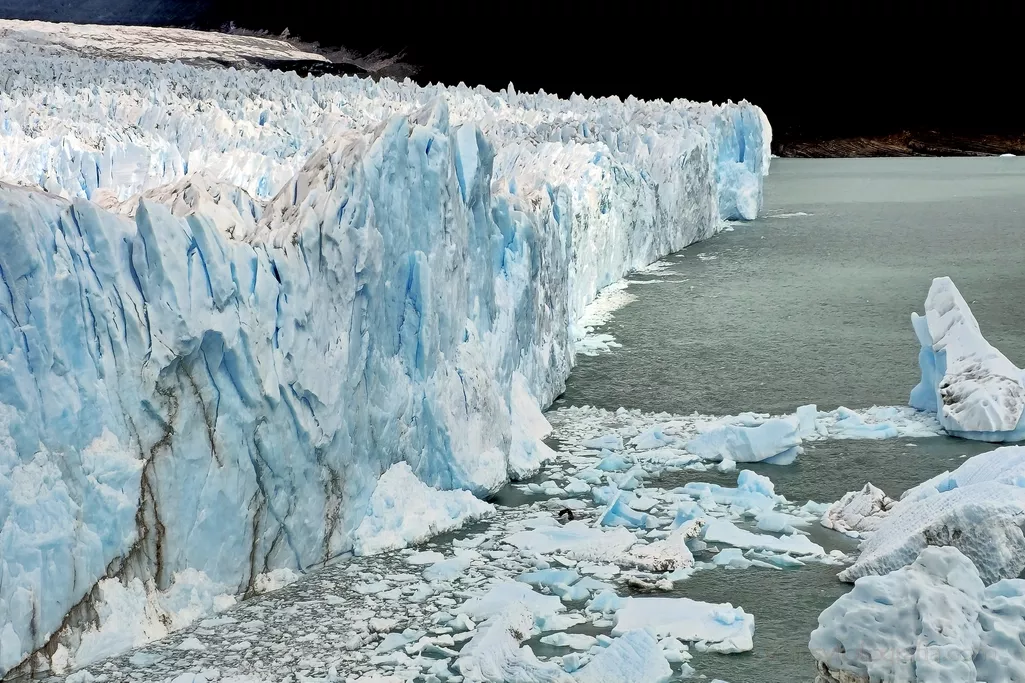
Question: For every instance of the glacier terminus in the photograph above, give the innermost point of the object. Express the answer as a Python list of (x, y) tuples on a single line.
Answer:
[(233, 299)]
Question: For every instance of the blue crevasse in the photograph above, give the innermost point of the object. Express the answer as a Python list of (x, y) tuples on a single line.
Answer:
[(193, 378)]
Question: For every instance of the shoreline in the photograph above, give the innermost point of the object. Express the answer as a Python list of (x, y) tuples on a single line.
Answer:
[(905, 144)]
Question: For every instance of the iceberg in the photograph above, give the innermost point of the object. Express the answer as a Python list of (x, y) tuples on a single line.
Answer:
[(932, 620), (858, 512), (1005, 465), (725, 531), (984, 521), (494, 653), (721, 627), (634, 657), (232, 300), (974, 390), (776, 441)]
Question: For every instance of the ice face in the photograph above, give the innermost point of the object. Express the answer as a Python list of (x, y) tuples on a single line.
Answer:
[(932, 620), (975, 391), (322, 278)]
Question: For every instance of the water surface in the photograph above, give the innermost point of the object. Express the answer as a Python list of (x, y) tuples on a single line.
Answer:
[(793, 309)]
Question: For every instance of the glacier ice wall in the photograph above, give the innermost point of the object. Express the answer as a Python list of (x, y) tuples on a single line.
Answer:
[(231, 300)]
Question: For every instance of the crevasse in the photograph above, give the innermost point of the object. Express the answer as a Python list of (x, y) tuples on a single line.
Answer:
[(231, 300)]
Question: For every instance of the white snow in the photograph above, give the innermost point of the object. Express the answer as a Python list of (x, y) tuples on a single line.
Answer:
[(975, 391), (931, 621), (404, 511)]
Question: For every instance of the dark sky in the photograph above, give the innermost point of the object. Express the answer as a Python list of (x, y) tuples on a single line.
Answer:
[(826, 68)]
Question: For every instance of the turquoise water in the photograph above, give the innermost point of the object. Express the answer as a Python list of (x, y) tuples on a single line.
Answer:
[(795, 309)]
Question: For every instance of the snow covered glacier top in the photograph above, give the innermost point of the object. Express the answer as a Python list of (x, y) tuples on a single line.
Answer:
[(141, 42), (233, 299), (975, 391)]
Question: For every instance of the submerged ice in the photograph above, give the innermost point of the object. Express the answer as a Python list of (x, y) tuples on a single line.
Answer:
[(322, 278)]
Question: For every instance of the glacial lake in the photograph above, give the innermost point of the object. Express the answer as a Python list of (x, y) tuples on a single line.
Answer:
[(811, 303)]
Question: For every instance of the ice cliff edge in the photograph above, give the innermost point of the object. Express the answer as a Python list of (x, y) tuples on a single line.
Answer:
[(180, 393)]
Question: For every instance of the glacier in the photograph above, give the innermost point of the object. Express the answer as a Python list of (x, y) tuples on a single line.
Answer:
[(233, 299), (974, 390)]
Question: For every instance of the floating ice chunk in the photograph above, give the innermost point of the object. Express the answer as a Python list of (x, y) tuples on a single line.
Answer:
[(858, 511), (806, 416), (576, 540), (634, 657), (731, 557), (669, 554), (606, 601), (550, 577), (575, 641), (974, 390), (722, 627), (754, 492), (984, 521), (755, 483), (403, 511), (653, 438), (929, 621), (611, 442), (781, 560), (614, 462), (393, 641), (450, 569), (191, 643), (501, 595), (686, 512), (425, 557), (776, 522), (774, 441), (619, 513), (725, 531), (576, 486), (494, 652), (274, 580)]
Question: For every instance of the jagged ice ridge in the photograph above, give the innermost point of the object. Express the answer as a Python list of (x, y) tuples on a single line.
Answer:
[(322, 277)]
